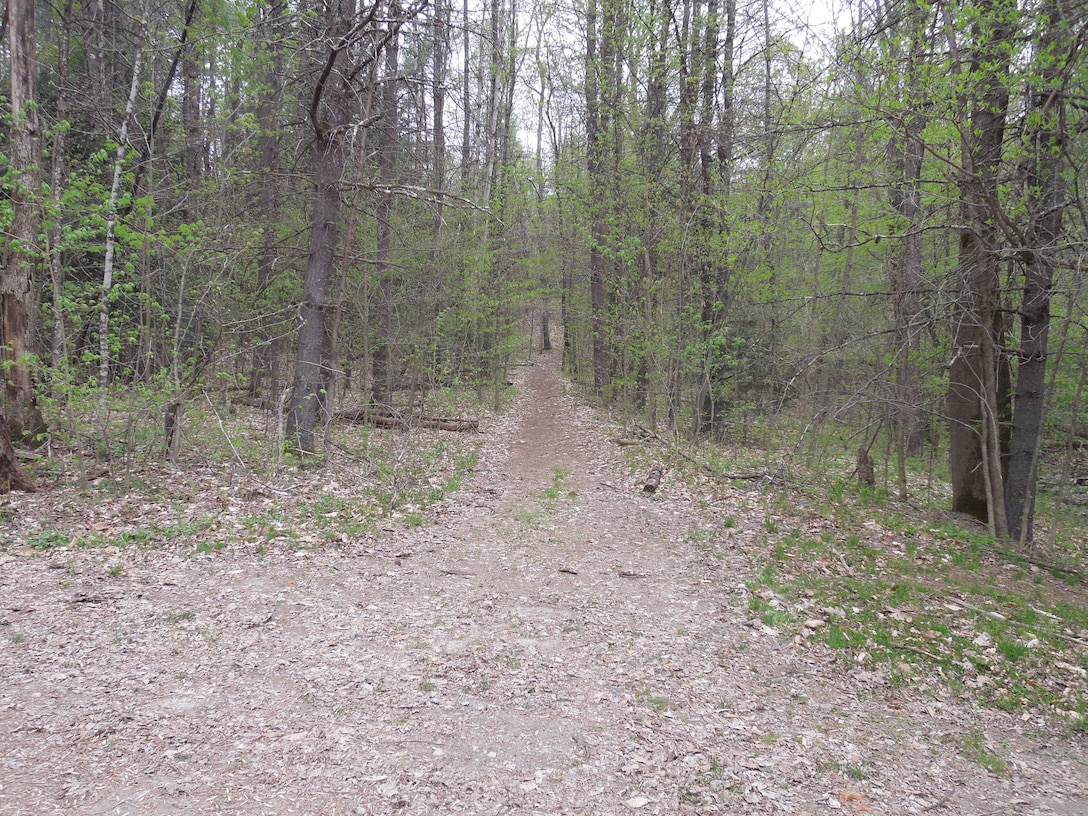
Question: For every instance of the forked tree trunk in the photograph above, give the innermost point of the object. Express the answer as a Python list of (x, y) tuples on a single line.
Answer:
[(311, 373), (364, 35), (329, 113), (978, 376)]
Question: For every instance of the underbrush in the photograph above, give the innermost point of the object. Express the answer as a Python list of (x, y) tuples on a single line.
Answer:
[(231, 486), (929, 599), (936, 608), (916, 595)]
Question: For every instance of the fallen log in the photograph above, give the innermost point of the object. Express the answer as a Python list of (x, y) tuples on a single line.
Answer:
[(654, 479), (384, 418)]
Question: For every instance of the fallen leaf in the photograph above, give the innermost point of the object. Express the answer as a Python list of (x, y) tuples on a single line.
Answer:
[(854, 798)]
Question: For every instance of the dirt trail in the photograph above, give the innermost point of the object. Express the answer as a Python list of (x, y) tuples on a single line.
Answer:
[(556, 644)]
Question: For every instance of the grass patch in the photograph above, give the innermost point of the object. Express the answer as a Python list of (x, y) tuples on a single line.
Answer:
[(536, 516), (973, 747), (49, 539), (932, 606)]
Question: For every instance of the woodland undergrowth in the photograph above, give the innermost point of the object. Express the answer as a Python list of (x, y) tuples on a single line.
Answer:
[(907, 589)]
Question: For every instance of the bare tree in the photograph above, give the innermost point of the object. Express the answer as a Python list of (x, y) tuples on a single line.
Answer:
[(1056, 47), (345, 42)]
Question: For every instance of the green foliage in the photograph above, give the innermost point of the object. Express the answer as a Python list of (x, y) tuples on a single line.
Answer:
[(49, 539), (972, 746), (928, 606)]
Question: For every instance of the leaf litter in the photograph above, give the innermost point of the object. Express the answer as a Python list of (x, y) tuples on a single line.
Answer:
[(554, 642)]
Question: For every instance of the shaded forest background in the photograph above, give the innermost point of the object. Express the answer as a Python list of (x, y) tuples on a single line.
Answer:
[(859, 239)]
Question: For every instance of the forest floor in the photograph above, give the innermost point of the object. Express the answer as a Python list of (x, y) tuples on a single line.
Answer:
[(553, 642)]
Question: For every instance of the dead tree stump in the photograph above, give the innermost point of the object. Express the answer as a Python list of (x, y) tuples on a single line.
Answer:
[(653, 480), (11, 473), (866, 469)]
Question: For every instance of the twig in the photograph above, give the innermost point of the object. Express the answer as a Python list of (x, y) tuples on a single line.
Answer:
[(904, 648), (940, 803), (222, 428), (990, 613), (1038, 562)]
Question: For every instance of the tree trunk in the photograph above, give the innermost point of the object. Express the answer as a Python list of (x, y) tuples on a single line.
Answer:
[(466, 105), (909, 150), (978, 377), (191, 72), (112, 216), (265, 374), (1046, 197), (329, 113), (382, 358), (599, 55), (364, 35), (11, 473), (58, 352), (311, 373), (20, 254)]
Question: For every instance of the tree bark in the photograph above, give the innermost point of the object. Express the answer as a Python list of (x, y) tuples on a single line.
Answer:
[(58, 355), (382, 359), (21, 250), (311, 372), (12, 476), (364, 36), (112, 216), (909, 150), (978, 376), (329, 113), (265, 374), (598, 56), (1046, 198), (191, 108)]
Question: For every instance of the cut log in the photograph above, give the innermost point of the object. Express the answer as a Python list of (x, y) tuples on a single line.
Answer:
[(654, 479), (384, 418)]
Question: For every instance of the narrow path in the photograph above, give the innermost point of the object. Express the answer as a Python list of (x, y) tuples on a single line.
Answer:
[(560, 644)]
